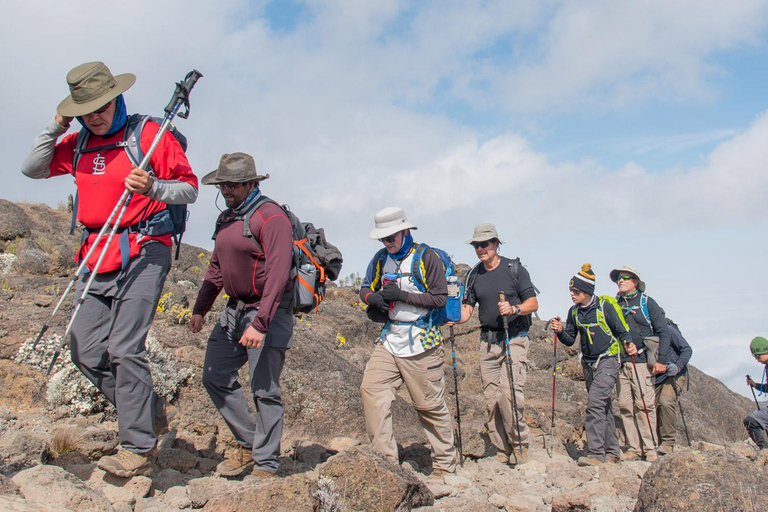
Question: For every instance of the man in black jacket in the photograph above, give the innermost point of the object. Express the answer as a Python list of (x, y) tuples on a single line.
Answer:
[(669, 387)]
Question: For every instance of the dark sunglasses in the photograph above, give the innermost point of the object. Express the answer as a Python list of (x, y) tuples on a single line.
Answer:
[(102, 109), (227, 186), (389, 239), (481, 245), (575, 291), (624, 278)]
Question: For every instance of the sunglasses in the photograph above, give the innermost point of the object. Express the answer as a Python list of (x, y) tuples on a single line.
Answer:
[(102, 109), (389, 239), (624, 278), (227, 186), (481, 245), (575, 291)]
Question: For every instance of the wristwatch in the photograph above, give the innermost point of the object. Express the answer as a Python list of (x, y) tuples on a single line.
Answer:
[(517, 310)]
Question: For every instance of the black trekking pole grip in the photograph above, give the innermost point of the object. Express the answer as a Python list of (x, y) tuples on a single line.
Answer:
[(181, 94)]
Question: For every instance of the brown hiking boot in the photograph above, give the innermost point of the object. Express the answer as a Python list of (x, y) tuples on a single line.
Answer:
[(262, 474), (237, 464), (651, 457), (127, 464), (516, 457), (612, 459), (502, 457), (664, 449), (165, 421), (438, 475), (630, 456), (589, 461)]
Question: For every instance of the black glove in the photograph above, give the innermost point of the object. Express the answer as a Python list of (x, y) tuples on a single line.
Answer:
[(391, 292), (375, 300)]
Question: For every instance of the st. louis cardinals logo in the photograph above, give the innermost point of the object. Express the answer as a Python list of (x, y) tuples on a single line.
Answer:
[(99, 164)]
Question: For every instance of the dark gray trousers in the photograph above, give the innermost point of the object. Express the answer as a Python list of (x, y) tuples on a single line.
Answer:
[(600, 424), (224, 356), (756, 425), (109, 336)]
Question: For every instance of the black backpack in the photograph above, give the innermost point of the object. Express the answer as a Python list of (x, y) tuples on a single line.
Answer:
[(315, 260), (176, 223)]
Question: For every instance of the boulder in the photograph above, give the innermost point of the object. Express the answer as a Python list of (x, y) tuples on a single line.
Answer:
[(278, 495), (367, 481), (95, 442), (179, 460), (55, 488), (703, 480), (14, 223), (203, 490), (22, 450)]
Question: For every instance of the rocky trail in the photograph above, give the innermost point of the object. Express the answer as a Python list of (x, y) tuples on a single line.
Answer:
[(52, 432)]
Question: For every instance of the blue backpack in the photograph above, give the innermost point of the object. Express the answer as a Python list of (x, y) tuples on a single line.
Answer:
[(173, 219), (451, 312)]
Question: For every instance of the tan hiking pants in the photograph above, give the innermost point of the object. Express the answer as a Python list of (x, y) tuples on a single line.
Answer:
[(639, 440)]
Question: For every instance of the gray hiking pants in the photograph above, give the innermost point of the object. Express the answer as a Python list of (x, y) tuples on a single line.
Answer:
[(109, 336), (600, 424), (756, 425), (224, 356)]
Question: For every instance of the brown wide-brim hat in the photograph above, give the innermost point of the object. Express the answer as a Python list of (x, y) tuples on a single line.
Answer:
[(615, 273), (91, 86), (234, 168)]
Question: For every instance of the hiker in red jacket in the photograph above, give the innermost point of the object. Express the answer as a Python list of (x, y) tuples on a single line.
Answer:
[(109, 334)]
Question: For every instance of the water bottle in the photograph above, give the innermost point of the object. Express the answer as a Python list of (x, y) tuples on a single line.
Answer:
[(453, 306), (389, 277)]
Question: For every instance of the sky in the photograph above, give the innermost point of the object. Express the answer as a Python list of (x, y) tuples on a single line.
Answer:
[(614, 133)]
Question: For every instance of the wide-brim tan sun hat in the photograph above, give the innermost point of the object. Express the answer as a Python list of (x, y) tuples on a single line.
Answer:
[(483, 232), (389, 221), (91, 86), (234, 168), (615, 273)]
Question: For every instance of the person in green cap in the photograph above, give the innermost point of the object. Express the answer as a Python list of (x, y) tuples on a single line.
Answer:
[(757, 422)]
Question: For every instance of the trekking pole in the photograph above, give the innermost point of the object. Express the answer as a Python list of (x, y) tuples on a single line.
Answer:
[(645, 408), (753, 394), (180, 97), (502, 298), (682, 413), (458, 409), (551, 449)]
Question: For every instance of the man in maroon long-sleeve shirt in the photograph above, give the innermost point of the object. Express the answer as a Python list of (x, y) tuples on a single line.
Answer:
[(257, 324)]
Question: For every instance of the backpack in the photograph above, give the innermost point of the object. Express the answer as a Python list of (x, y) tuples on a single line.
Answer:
[(451, 312), (601, 322), (173, 219), (315, 260)]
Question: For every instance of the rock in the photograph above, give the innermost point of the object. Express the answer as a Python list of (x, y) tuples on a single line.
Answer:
[(43, 301), (279, 495), (167, 478), (69, 459), (177, 497), (186, 440), (202, 490), (118, 494), (342, 444), (459, 482), (179, 460), (311, 453), (703, 446), (22, 450), (697, 480), (8, 487), (96, 442), (524, 504), (17, 504), (14, 222), (207, 466), (7, 263), (140, 486), (367, 481), (578, 500), (51, 486), (497, 500)]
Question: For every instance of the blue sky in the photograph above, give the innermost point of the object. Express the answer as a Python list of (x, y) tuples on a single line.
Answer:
[(609, 132)]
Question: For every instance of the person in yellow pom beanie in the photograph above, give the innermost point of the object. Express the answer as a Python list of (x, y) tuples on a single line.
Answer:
[(601, 330)]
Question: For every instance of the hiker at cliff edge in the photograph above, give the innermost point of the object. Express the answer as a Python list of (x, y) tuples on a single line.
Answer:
[(757, 422), (602, 333), (409, 351), (110, 331), (649, 330), (256, 327), (493, 274)]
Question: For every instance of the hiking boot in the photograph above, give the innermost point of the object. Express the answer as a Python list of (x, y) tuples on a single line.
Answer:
[(630, 456), (127, 464), (262, 474), (237, 464), (651, 457), (589, 461), (502, 457), (165, 420), (665, 449), (516, 457), (438, 475), (612, 459)]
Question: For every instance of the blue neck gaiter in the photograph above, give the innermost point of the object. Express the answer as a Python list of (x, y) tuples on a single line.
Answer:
[(249, 201), (118, 120), (405, 247)]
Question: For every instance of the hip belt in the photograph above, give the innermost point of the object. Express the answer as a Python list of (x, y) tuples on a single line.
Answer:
[(499, 336)]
